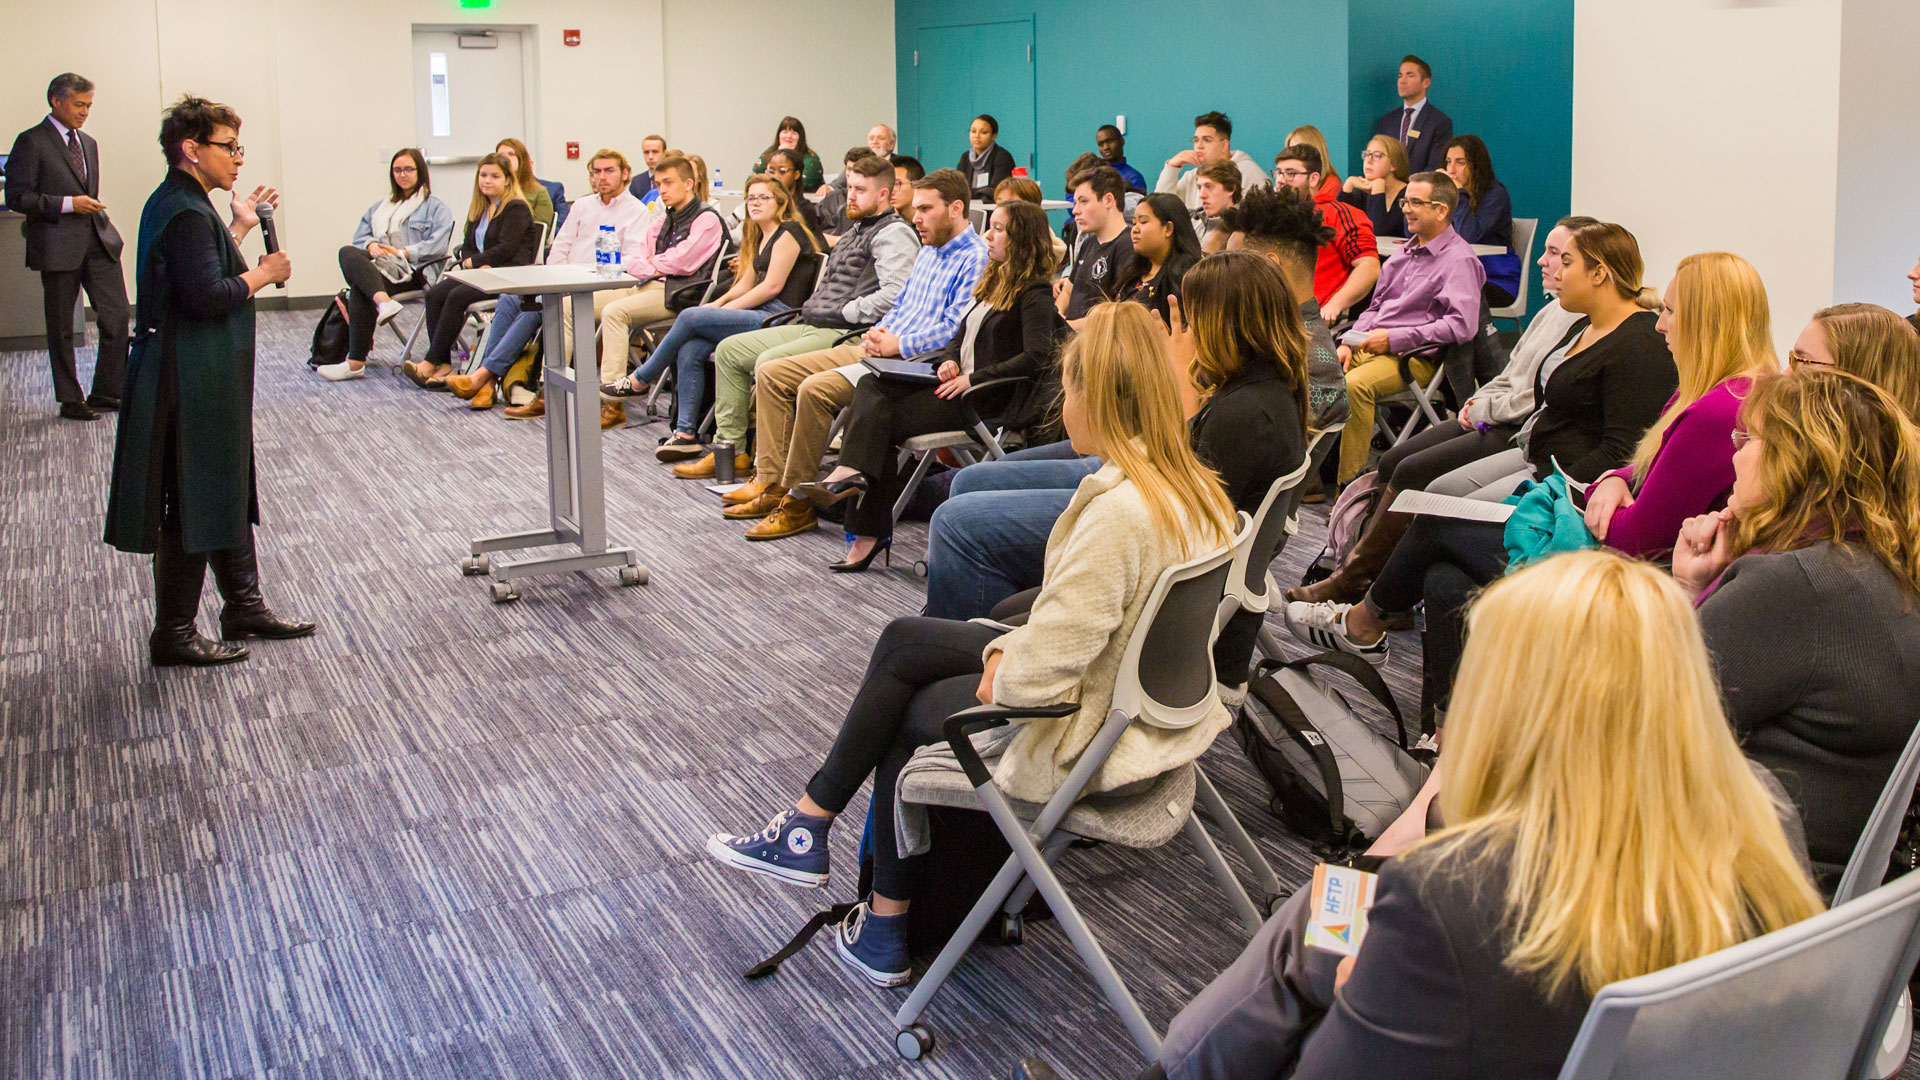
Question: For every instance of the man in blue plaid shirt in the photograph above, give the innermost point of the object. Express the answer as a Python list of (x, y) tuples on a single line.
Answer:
[(797, 397)]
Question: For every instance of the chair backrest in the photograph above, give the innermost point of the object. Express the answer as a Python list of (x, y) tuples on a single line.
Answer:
[(1523, 230), (1867, 867), (1247, 586), (1809, 1000), (1166, 674), (540, 247)]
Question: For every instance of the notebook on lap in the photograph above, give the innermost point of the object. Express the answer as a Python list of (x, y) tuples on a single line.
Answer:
[(888, 367)]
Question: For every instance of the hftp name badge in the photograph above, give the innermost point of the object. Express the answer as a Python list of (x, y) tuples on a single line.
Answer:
[(1413, 134), (1340, 899)]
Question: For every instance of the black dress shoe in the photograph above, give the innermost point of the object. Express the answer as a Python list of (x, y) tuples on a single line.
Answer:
[(261, 623), (184, 647), (77, 410), (1033, 1068), (103, 402)]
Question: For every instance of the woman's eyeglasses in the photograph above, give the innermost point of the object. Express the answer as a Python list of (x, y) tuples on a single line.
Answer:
[(231, 146), (1741, 438), (1796, 358)]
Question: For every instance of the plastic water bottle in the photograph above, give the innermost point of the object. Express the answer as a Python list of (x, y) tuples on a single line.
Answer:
[(717, 185), (606, 252)]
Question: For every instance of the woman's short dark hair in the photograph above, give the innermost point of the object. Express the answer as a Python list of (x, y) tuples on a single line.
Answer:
[(420, 168), (192, 118), (992, 124), (789, 123)]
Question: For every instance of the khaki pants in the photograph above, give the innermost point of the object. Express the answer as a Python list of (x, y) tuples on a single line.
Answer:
[(740, 356), (629, 311), (797, 398), (601, 300), (1370, 377)]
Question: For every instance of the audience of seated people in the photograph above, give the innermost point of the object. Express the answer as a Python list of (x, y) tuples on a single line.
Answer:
[(1010, 333), (986, 162), (1485, 215), (1428, 294), (1419, 125), (1218, 186), (1486, 425), (1104, 246), (858, 284), (1212, 141), (796, 397), (1164, 249), (1379, 185), (1348, 267), (545, 198), (1284, 225), (500, 232), (1329, 185), (517, 319), (792, 135), (652, 149), (399, 246), (1113, 151), (1149, 506), (774, 241)]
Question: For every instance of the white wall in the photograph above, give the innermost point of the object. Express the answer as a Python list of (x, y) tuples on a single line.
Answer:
[(325, 89), (1877, 221), (1711, 124)]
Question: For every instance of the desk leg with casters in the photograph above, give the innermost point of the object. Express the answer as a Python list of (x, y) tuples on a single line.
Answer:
[(576, 499)]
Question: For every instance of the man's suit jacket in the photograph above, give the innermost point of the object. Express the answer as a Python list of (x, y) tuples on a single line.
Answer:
[(1427, 151), (39, 177)]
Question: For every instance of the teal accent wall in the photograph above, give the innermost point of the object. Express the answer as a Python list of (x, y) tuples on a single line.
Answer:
[(1268, 65), (1503, 69)]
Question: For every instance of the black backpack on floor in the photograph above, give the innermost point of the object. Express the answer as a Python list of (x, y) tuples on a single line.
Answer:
[(330, 334)]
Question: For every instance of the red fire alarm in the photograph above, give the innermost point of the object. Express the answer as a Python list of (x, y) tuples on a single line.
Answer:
[(573, 151), (570, 37)]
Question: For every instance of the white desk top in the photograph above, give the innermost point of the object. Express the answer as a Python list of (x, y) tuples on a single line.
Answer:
[(539, 280), (1390, 244)]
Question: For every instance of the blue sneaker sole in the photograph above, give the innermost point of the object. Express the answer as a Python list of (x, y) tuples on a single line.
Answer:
[(803, 878), (885, 980)]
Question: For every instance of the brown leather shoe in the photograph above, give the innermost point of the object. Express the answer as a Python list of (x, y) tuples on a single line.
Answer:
[(754, 508), (465, 387), (702, 467), (613, 414), (747, 492), (532, 410), (791, 518), (483, 400), (1349, 583)]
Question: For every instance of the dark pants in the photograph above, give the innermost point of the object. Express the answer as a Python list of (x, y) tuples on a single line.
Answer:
[(363, 280), (99, 274), (1443, 562), (884, 414), (1439, 450), (922, 671), (447, 304), (179, 574)]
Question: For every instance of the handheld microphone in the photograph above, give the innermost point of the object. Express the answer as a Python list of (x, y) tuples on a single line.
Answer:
[(265, 212)]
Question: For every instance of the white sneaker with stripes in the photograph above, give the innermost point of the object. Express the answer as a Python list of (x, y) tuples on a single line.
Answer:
[(1324, 625)]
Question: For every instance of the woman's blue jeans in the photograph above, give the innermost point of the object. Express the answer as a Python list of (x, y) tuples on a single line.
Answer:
[(689, 346)]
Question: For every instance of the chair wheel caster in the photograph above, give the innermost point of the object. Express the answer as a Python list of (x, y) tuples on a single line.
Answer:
[(476, 565), (920, 568), (1013, 929), (503, 592), (632, 575), (914, 1043)]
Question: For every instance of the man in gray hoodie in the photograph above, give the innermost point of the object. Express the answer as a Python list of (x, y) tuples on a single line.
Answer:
[(1212, 141)]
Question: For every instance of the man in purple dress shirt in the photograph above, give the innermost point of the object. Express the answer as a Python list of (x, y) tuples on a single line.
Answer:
[(1429, 293)]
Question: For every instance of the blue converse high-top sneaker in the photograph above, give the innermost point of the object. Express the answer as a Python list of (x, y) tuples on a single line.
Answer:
[(875, 946), (792, 848)]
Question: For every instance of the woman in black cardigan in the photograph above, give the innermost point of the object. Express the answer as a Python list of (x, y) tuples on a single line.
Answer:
[(985, 163), (1012, 331), (500, 232)]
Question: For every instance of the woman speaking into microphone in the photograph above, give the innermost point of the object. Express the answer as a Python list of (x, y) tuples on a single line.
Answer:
[(182, 486)]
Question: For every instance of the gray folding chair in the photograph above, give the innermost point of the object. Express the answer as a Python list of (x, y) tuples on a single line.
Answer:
[(1319, 445), (1807, 1001), (1166, 680), (1422, 399), (1524, 229), (1866, 868), (980, 439)]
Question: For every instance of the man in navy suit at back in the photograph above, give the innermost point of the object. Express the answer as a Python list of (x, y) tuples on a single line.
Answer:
[(1417, 123)]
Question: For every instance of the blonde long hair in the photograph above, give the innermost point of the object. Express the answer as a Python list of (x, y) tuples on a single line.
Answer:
[(1637, 834), (784, 211), (479, 203), (1120, 371), (1721, 328), (522, 171), (1311, 136), (1876, 345)]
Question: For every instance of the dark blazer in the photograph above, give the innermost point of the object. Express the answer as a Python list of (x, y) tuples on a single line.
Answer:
[(39, 177), (1599, 402), (511, 238), (1022, 341), (999, 167), (1428, 151)]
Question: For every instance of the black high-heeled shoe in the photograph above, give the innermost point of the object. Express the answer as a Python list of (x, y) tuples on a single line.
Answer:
[(824, 495), (851, 566)]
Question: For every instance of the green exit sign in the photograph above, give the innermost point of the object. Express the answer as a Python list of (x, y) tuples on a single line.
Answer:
[(476, 3)]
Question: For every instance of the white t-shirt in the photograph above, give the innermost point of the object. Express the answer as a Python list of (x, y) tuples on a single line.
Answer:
[(976, 315)]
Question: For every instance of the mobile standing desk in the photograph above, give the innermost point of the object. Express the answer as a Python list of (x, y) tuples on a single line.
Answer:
[(576, 498)]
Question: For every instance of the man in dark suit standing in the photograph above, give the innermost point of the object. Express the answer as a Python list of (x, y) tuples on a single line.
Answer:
[(1417, 123), (53, 179)]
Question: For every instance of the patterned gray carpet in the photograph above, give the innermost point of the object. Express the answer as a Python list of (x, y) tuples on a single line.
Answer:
[(445, 838)]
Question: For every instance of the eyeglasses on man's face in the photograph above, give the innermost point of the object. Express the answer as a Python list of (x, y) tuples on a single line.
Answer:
[(1290, 175), (1419, 204)]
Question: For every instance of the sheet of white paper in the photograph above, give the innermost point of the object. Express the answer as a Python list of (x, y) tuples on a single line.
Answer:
[(1422, 502), (854, 372), (1352, 338)]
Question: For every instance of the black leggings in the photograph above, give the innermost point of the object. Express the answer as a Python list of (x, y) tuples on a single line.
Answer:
[(922, 671), (1439, 450), (447, 304), (1443, 562), (363, 280), (884, 414)]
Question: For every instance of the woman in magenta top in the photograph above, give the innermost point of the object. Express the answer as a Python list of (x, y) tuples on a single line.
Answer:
[(1715, 318)]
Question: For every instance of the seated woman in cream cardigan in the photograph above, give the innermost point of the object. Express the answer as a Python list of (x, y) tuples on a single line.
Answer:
[(1151, 505)]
